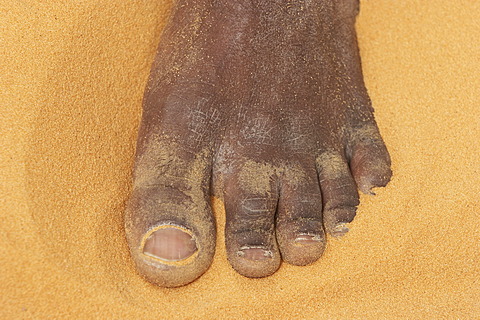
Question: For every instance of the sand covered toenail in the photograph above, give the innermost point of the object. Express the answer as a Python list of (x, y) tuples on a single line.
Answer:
[(254, 253), (340, 230), (308, 239), (170, 244)]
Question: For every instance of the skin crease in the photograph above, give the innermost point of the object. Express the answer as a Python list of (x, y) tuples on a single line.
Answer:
[(260, 103)]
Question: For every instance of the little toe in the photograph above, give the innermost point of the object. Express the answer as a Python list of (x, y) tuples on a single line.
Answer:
[(339, 192), (299, 225), (169, 223), (370, 161), (250, 203)]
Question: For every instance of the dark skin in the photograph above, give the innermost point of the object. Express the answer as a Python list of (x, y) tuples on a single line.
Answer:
[(261, 103)]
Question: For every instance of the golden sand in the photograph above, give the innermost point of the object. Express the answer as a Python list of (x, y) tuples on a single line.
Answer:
[(72, 75)]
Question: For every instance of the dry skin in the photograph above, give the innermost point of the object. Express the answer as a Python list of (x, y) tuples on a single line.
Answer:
[(72, 76)]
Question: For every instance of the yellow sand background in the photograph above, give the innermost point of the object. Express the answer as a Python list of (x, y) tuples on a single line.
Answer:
[(72, 75)]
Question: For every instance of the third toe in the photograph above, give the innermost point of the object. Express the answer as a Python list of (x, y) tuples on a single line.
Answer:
[(299, 220)]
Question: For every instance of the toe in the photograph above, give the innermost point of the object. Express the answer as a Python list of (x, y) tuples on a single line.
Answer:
[(251, 198), (339, 192), (299, 225), (370, 161), (169, 223)]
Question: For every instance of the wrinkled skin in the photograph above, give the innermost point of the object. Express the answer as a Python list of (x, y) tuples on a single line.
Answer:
[(261, 103)]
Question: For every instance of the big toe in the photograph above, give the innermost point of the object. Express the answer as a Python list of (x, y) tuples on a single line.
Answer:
[(169, 223)]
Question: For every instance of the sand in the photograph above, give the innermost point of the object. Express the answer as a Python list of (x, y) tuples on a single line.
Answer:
[(72, 75)]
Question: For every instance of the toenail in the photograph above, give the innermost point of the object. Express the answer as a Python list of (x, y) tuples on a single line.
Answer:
[(340, 230), (308, 239), (170, 244), (254, 253)]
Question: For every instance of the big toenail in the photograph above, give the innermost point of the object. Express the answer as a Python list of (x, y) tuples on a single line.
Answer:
[(308, 239), (254, 253), (170, 244)]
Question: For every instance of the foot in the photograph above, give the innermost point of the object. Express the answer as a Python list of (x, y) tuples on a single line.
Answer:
[(265, 107)]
